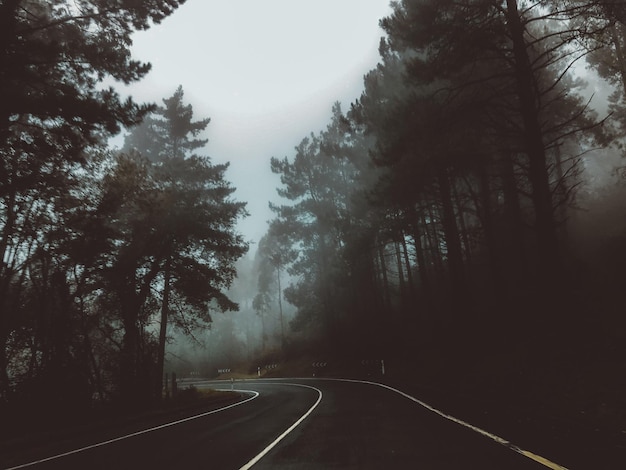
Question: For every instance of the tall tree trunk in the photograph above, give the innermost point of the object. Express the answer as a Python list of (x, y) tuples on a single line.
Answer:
[(561, 194), (383, 273), (165, 308), (328, 304), (495, 266), (407, 263), (375, 278), (9, 295), (8, 229), (451, 232), (513, 217), (130, 387), (8, 13), (434, 243), (4, 373), (547, 244), (617, 36), (280, 308), (462, 226), (93, 362), (400, 268), (421, 259), (365, 287)]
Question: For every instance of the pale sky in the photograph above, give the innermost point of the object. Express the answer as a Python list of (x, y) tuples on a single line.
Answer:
[(266, 72)]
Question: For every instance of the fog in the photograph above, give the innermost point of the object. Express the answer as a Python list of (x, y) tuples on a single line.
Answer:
[(424, 193), (265, 73), (265, 95)]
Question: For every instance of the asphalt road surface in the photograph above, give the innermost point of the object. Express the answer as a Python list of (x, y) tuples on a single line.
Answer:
[(301, 424)]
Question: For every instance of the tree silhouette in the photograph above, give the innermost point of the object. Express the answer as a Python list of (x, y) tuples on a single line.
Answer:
[(54, 56), (196, 217)]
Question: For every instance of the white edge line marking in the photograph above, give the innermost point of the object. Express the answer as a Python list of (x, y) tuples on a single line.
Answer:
[(284, 434), (145, 431), (493, 437)]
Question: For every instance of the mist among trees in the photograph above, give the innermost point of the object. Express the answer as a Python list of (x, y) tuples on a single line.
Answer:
[(102, 249), (463, 216), (454, 219)]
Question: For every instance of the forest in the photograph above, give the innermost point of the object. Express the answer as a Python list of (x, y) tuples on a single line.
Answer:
[(464, 218), (102, 248), (457, 218)]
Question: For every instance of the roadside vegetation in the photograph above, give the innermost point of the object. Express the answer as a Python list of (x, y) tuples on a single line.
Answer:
[(463, 220), (102, 249)]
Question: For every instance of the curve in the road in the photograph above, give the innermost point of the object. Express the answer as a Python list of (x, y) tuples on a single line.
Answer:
[(504, 442), (293, 419), (537, 458), (138, 433), (288, 430)]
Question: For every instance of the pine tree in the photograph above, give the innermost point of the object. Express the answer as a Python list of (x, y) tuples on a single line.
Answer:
[(54, 56), (196, 217)]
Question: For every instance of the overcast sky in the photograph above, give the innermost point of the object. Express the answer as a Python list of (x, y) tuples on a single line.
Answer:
[(266, 72)]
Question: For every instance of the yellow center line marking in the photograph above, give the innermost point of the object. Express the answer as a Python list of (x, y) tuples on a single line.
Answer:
[(541, 460), (537, 458)]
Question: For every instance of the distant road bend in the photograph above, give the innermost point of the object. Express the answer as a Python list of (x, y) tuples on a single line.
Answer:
[(303, 424)]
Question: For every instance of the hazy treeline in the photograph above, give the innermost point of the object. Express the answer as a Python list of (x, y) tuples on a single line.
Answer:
[(243, 340), (101, 249), (449, 208)]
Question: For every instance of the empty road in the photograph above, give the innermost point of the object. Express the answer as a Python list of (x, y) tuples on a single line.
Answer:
[(298, 424)]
